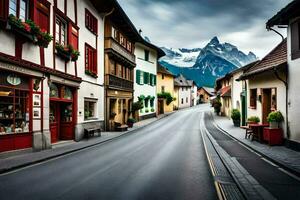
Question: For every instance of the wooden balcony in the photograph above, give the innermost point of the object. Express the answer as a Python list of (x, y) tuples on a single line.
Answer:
[(114, 49), (115, 82)]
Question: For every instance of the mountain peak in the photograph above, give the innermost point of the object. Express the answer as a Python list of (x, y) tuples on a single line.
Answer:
[(214, 41)]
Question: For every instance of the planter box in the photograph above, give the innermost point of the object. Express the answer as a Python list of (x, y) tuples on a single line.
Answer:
[(66, 56), (24, 34), (273, 136)]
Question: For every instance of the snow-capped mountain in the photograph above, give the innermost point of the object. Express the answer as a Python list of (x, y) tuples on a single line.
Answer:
[(205, 65)]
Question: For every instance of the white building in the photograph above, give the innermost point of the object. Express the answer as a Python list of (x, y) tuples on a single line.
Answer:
[(182, 92), (289, 16), (194, 96), (147, 56)]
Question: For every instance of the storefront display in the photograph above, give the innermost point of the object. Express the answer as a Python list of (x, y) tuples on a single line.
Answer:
[(14, 104)]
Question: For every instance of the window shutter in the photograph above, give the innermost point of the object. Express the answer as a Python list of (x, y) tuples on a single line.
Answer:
[(41, 14), (154, 80), (73, 36), (146, 78), (151, 79), (95, 62), (138, 77), (3, 10)]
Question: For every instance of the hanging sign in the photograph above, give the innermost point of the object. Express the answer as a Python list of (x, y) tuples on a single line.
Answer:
[(13, 80)]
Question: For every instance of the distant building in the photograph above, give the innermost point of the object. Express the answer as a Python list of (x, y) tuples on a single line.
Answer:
[(182, 92), (204, 94)]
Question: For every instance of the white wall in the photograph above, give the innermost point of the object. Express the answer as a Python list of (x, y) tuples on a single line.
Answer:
[(183, 93), (194, 94), (236, 90), (90, 87), (145, 66), (293, 93), (267, 81)]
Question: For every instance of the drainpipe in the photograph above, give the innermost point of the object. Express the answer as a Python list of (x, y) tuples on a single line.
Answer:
[(285, 82), (105, 15)]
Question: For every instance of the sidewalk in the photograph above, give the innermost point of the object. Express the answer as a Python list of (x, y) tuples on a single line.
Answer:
[(14, 160), (281, 155)]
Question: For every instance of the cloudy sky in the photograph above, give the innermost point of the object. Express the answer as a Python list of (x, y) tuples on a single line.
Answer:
[(192, 23)]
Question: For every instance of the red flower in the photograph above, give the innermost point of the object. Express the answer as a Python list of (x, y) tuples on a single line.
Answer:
[(66, 48), (43, 30), (26, 27)]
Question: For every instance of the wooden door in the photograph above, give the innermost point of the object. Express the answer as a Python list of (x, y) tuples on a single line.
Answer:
[(266, 104), (54, 122), (161, 106)]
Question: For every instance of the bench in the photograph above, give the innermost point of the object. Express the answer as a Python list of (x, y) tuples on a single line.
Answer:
[(91, 128), (249, 131), (120, 127)]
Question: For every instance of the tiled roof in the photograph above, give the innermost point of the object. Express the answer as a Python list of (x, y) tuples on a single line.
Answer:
[(182, 81), (276, 58), (210, 91), (162, 70), (225, 91)]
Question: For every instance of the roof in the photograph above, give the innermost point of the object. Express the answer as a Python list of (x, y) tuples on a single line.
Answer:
[(163, 70), (181, 81), (292, 10), (225, 91), (210, 91), (275, 59)]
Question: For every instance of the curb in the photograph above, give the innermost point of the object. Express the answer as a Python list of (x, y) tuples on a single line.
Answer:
[(10, 169), (280, 164)]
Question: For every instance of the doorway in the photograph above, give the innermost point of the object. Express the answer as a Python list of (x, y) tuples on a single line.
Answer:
[(61, 121), (161, 106), (266, 104)]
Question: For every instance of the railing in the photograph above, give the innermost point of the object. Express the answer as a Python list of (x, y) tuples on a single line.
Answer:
[(116, 82), (115, 46)]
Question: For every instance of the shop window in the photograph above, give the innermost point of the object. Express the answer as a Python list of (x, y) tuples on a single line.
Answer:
[(91, 22), (60, 32), (253, 98), (19, 8), (14, 111), (89, 109), (67, 93), (54, 92), (147, 55), (90, 59)]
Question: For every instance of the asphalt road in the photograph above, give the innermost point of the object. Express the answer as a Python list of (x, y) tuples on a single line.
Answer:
[(165, 160)]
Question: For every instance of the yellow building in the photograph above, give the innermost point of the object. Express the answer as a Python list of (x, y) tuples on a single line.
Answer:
[(165, 84)]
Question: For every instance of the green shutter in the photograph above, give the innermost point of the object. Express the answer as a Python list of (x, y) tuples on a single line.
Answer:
[(151, 79), (154, 79), (138, 77), (146, 77)]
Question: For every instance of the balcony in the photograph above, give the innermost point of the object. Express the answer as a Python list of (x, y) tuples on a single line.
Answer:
[(115, 82), (117, 51)]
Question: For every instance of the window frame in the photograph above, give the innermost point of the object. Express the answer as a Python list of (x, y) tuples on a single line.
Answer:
[(89, 101), (91, 22), (18, 8), (90, 66), (253, 98), (61, 22), (146, 55)]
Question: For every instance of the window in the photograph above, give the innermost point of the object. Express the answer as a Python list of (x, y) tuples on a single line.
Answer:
[(253, 98), (146, 78), (187, 99), (19, 8), (139, 77), (89, 109), (129, 46), (274, 99), (181, 100), (122, 40), (90, 59), (147, 55), (60, 31), (152, 80), (295, 37), (91, 22), (162, 89), (114, 33), (162, 76), (112, 67)]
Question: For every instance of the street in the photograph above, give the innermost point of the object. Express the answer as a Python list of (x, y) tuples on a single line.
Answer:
[(165, 160)]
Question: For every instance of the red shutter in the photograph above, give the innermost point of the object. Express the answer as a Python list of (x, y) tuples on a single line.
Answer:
[(95, 61), (41, 14), (73, 36), (3, 10)]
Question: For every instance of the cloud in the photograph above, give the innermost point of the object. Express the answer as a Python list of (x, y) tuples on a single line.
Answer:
[(191, 24)]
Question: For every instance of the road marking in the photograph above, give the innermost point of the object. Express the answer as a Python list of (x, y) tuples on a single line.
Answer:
[(290, 174)]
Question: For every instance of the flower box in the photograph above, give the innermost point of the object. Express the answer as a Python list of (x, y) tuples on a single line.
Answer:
[(65, 55), (21, 32)]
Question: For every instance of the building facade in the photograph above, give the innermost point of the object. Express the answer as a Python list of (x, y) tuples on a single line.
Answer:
[(145, 89), (182, 92), (223, 90), (165, 84), (289, 16), (204, 94)]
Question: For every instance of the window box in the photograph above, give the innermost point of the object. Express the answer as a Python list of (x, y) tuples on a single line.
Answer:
[(88, 72), (21, 28), (67, 53)]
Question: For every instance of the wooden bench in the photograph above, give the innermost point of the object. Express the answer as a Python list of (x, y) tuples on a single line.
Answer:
[(91, 128), (249, 131), (120, 127)]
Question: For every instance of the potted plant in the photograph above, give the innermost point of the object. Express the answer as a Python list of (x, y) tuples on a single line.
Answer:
[(147, 110), (274, 118), (130, 122), (236, 117), (217, 105), (253, 120)]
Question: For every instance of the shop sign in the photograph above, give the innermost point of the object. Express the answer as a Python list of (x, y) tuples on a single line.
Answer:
[(13, 80)]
